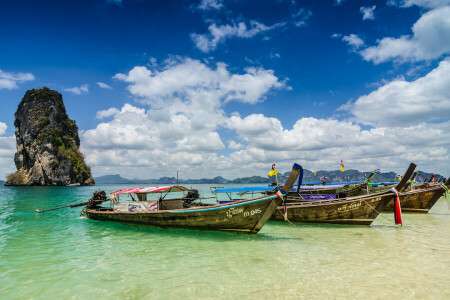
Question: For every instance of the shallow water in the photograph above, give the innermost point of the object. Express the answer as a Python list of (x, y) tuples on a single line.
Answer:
[(59, 255)]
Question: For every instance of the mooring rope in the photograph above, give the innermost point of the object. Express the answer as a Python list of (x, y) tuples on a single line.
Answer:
[(379, 213), (292, 224)]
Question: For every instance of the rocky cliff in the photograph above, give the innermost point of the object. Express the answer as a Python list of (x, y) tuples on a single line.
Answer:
[(47, 143)]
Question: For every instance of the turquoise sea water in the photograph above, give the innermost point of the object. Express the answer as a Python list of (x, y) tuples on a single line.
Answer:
[(60, 255)]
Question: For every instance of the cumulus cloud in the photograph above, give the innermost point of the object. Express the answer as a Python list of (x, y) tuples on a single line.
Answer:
[(78, 90), (352, 40), (219, 34), (367, 12), (420, 3), (192, 79), (184, 100), (9, 80), (102, 114), (104, 85), (235, 145), (322, 143), (210, 4), (403, 103), (7, 150), (3, 128), (182, 126), (430, 40)]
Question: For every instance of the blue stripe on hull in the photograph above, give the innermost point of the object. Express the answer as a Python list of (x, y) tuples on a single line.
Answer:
[(224, 207)]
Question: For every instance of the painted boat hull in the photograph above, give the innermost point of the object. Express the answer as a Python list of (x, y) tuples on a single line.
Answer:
[(353, 211), (418, 201), (246, 216)]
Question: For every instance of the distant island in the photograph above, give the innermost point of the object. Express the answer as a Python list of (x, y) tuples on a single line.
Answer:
[(2, 182), (117, 179), (332, 176)]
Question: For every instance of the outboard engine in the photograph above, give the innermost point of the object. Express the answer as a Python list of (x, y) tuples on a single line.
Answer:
[(190, 197), (97, 198)]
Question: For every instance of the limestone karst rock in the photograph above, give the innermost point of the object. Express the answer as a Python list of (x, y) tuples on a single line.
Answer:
[(47, 143)]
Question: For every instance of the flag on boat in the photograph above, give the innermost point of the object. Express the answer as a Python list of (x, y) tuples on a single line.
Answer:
[(398, 176), (322, 177), (274, 170), (342, 165), (377, 170)]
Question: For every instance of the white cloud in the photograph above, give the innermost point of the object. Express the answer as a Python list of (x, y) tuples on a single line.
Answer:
[(301, 16), (219, 34), (353, 40), (102, 114), (185, 100), (338, 2), (430, 40), (322, 143), (235, 145), (7, 150), (367, 12), (210, 4), (421, 3), (3, 128), (9, 80), (191, 79), (403, 103), (104, 85), (182, 126), (78, 90)]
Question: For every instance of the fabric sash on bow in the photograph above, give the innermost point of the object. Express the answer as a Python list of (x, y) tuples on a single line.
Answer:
[(411, 182), (397, 208), (446, 194), (280, 196), (367, 186)]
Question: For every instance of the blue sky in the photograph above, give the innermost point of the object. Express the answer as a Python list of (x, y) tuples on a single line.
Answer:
[(225, 88)]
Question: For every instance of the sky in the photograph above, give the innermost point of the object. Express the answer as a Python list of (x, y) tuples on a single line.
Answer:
[(226, 87)]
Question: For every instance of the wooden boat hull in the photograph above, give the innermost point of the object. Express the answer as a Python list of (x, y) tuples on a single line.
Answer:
[(418, 201), (360, 210), (242, 216)]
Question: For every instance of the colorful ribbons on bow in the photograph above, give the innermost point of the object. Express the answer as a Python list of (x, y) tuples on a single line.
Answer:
[(397, 208)]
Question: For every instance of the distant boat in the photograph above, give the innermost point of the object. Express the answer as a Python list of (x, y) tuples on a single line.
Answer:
[(243, 216), (420, 200), (358, 210)]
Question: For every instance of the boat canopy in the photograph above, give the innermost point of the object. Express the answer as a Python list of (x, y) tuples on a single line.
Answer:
[(331, 183), (246, 189), (153, 189)]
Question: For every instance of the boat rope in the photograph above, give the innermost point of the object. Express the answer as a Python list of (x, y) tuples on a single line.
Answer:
[(379, 213), (292, 224)]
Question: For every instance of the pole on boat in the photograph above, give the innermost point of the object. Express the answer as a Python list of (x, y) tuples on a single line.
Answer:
[(55, 208), (276, 173), (97, 198)]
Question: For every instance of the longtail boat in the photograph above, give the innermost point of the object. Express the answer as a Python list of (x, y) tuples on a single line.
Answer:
[(243, 216), (358, 210), (420, 200)]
